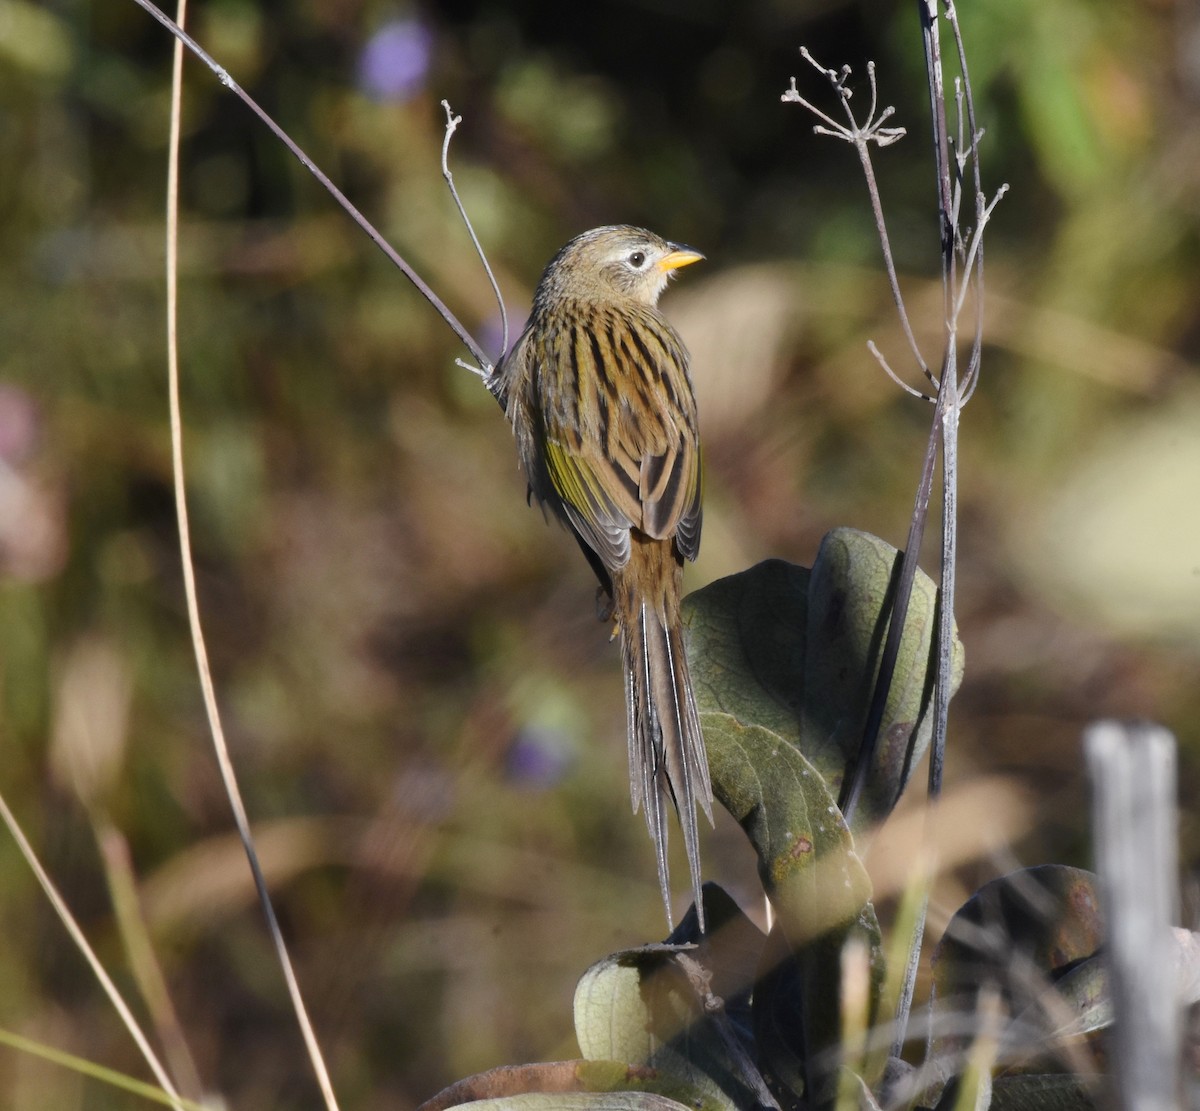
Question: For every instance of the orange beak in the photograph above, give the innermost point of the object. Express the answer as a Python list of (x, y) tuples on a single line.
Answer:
[(679, 256)]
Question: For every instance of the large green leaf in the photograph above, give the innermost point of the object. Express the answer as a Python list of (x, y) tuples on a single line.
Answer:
[(783, 660), (848, 616), (745, 639), (796, 652), (815, 881), (806, 856)]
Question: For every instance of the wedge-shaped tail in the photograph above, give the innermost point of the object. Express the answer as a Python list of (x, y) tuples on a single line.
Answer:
[(667, 759)]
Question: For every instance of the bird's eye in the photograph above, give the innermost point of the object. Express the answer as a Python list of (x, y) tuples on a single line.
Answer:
[(637, 260)]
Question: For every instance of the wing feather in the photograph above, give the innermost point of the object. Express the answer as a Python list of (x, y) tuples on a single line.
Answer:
[(610, 440)]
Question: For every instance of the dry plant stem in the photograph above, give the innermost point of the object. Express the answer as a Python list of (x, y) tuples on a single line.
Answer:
[(887, 369), (973, 361), (956, 391), (860, 136), (81, 943), (941, 144), (981, 1057), (903, 579), (948, 410), (946, 413), (1135, 829), (889, 263), (905, 1000), (904, 953), (452, 122), (946, 417), (949, 401), (139, 951), (228, 775), (83, 1067), (223, 76)]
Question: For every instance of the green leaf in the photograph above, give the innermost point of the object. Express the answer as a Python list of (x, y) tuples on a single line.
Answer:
[(815, 881), (746, 640), (796, 652), (783, 663), (806, 856), (848, 617), (639, 1007)]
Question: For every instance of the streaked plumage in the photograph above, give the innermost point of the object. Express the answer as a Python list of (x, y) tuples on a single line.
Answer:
[(598, 394)]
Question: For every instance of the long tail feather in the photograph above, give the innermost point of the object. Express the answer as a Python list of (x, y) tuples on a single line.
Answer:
[(667, 757)]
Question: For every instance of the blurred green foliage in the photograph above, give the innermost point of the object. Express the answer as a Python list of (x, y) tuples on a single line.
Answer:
[(426, 715)]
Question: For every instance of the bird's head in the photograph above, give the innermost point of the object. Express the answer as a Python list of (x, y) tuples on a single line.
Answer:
[(617, 263)]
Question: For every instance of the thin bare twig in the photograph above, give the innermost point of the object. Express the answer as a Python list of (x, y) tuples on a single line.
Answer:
[(931, 39), (228, 775), (861, 136), (144, 965), (452, 122), (887, 369), (81, 943), (951, 396), (973, 360), (224, 77), (958, 249), (905, 575), (975, 246)]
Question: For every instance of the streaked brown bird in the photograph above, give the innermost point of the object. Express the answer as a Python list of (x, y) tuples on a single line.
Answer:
[(598, 394)]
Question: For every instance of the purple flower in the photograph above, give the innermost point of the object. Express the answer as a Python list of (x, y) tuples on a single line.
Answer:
[(538, 758), (394, 63)]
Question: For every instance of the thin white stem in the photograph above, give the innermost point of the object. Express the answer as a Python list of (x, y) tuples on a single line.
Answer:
[(228, 776), (893, 375), (452, 122), (473, 368), (861, 136), (792, 96), (973, 248)]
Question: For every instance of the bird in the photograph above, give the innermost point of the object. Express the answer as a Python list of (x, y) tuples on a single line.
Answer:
[(599, 396)]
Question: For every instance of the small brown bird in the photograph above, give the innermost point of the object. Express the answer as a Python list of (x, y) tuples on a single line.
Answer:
[(598, 394)]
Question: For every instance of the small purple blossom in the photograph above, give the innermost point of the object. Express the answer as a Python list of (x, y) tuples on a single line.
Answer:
[(537, 759), (395, 61)]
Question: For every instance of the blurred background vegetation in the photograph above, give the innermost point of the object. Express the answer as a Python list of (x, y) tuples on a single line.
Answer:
[(427, 717)]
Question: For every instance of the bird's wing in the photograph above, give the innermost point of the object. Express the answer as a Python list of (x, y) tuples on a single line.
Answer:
[(619, 430)]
